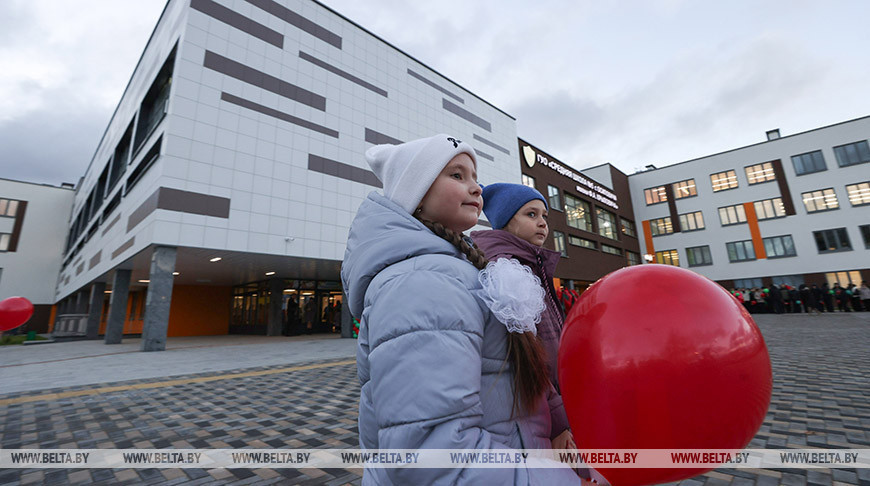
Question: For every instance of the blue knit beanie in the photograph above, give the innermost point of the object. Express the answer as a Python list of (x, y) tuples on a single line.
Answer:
[(502, 200)]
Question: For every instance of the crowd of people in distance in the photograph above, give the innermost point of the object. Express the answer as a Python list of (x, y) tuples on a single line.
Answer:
[(811, 298)]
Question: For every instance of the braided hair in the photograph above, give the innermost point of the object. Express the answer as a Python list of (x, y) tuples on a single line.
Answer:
[(524, 349)]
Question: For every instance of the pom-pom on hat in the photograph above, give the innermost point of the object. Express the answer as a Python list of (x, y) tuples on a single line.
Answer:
[(408, 170), (502, 200)]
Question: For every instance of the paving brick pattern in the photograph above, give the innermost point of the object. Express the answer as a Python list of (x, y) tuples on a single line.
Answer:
[(821, 367)]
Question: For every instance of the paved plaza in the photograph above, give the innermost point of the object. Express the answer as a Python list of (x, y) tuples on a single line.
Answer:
[(237, 392)]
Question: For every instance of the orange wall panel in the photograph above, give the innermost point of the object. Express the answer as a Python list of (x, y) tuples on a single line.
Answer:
[(752, 219), (198, 310), (647, 238)]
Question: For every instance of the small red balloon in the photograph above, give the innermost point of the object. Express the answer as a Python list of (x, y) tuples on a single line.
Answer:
[(14, 312), (659, 357)]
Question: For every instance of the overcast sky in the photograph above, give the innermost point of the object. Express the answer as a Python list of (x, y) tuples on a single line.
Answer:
[(626, 82)]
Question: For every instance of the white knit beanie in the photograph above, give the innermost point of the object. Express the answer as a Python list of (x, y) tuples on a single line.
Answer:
[(408, 170)]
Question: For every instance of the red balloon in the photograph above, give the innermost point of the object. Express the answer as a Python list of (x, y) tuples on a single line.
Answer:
[(14, 312), (659, 357)]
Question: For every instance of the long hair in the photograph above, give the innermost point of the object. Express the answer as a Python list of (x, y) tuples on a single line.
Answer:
[(524, 349)]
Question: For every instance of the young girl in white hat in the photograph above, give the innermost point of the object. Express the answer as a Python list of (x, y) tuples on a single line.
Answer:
[(447, 355)]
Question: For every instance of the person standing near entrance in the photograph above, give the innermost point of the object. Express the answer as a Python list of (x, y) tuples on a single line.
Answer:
[(432, 357), (864, 294)]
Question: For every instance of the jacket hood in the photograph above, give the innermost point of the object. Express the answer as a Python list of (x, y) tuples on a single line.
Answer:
[(381, 234), (501, 242)]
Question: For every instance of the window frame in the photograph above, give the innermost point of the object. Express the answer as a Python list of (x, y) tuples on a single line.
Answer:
[(673, 255), (760, 167), (864, 229), (842, 147), (629, 257), (685, 218), (706, 261), (587, 218), (726, 172), (677, 189), (746, 245), (823, 196), (559, 237), (773, 207), (742, 209), (866, 191), (550, 196), (660, 192), (614, 222), (617, 251), (795, 166), (836, 233), (771, 255), (654, 226), (633, 227), (571, 242), (530, 178)]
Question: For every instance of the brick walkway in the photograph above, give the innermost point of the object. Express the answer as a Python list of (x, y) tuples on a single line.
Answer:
[(821, 371)]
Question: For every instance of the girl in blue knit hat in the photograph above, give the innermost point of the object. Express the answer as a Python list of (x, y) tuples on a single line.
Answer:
[(447, 356), (518, 215)]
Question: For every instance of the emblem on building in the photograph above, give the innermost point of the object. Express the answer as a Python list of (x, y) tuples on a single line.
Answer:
[(529, 155)]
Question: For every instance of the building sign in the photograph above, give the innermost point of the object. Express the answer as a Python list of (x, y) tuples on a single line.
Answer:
[(584, 186)]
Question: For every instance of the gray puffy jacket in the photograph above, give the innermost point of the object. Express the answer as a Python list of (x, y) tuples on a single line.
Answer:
[(431, 357)]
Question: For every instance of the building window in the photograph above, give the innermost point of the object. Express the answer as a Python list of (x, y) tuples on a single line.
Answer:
[(732, 215), (699, 256), (661, 226), (611, 249), (553, 196), (769, 209), (668, 257), (779, 246), (865, 234), (723, 180), (853, 153), (748, 283), (832, 240), (578, 213), (528, 181), (559, 241), (655, 195), (684, 189), (606, 224), (692, 221), (843, 278), (809, 162), (758, 173), (632, 258), (582, 242), (859, 194), (628, 227), (8, 207), (822, 200), (4, 241), (740, 251)]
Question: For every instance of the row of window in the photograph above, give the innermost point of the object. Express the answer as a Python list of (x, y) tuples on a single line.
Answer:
[(4, 241), (849, 154), (832, 278), (8, 207), (814, 201), (559, 241), (578, 214), (827, 241)]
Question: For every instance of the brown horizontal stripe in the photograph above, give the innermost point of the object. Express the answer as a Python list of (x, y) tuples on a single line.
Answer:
[(439, 88), (237, 70), (278, 114), (465, 114), (107, 228), (298, 21), (378, 138), (95, 260), (342, 170), (344, 74), (193, 202), (235, 19), (123, 247)]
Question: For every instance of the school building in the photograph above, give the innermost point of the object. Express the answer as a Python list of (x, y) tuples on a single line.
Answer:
[(220, 195), (792, 209)]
